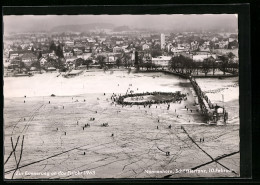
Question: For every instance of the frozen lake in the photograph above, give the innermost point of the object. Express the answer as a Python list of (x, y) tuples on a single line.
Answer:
[(57, 144), (89, 82)]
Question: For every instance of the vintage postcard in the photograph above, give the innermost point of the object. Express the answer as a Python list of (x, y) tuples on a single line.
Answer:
[(121, 96)]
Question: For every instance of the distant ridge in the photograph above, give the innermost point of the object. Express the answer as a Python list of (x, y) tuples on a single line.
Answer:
[(82, 27)]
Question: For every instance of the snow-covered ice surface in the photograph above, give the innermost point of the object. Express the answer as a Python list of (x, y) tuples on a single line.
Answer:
[(57, 147), (89, 82)]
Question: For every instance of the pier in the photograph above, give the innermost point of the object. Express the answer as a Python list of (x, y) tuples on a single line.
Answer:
[(211, 113)]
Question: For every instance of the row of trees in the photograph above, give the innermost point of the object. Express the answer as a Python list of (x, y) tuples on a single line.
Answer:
[(186, 65)]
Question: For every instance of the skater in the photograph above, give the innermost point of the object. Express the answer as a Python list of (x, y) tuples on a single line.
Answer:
[(24, 101), (49, 102), (84, 153), (112, 135), (65, 133), (157, 127), (57, 129), (63, 107)]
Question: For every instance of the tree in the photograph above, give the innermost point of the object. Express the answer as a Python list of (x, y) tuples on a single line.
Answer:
[(212, 63), (40, 55), (214, 66), (179, 63), (126, 58), (61, 64), (87, 62), (173, 63), (230, 56), (21, 65), (140, 61), (188, 65), (101, 60), (148, 65), (155, 53), (52, 46), (205, 67), (59, 51), (118, 62), (78, 62), (136, 60), (224, 63)]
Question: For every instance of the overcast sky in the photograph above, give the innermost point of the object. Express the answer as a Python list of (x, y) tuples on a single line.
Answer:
[(46, 22)]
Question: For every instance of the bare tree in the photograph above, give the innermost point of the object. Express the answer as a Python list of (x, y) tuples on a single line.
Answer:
[(205, 67)]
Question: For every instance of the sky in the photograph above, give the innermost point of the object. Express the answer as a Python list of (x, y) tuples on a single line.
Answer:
[(15, 23)]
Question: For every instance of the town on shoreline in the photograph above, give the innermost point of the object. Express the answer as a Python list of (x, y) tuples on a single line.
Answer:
[(197, 53)]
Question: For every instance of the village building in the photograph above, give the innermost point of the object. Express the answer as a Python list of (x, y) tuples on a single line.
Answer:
[(162, 61), (42, 61), (117, 49), (145, 47)]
